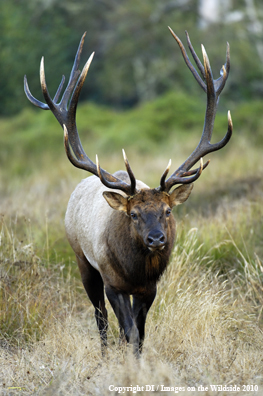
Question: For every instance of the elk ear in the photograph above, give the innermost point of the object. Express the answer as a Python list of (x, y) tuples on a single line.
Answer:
[(180, 194), (116, 201)]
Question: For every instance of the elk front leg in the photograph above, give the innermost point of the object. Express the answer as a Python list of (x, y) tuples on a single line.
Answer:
[(94, 286), (121, 305), (141, 306)]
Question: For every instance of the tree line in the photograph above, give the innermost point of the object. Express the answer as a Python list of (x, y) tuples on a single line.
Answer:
[(136, 58)]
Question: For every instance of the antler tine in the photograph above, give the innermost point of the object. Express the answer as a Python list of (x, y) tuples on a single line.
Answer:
[(182, 178), (77, 89), (32, 99), (165, 173), (47, 97), (194, 171), (56, 97), (213, 88), (196, 59), (211, 101), (220, 82), (128, 189), (74, 75), (187, 60), (130, 173), (71, 115), (99, 169)]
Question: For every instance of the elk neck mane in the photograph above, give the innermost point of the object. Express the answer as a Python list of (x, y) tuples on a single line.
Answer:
[(130, 257)]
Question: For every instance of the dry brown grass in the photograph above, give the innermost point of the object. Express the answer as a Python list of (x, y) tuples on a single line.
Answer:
[(205, 326), (201, 330)]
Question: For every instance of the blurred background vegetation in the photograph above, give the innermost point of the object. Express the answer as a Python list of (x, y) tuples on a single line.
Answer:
[(136, 58), (139, 90)]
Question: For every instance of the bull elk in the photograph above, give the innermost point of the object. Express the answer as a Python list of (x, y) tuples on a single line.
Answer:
[(122, 231)]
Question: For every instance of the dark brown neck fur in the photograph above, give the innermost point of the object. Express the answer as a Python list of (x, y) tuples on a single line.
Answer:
[(137, 265)]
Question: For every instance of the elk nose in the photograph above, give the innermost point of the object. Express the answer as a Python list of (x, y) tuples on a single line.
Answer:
[(156, 239)]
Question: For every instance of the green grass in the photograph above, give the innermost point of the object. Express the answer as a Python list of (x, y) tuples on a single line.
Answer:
[(34, 136)]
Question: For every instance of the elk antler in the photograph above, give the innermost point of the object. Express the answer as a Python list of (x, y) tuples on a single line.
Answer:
[(65, 113), (213, 88)]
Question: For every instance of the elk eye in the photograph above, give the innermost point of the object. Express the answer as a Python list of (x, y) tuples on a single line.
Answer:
[(168, 212), (134, 216)]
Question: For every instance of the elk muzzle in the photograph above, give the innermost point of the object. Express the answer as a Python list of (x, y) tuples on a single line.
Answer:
[(156, 239)]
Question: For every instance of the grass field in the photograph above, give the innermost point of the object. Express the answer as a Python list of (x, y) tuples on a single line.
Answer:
[(205, 326)]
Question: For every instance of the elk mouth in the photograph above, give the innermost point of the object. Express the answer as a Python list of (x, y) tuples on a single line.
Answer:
[(154, 249)]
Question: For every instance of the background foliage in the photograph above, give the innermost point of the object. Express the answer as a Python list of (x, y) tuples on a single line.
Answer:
[(136, 57)]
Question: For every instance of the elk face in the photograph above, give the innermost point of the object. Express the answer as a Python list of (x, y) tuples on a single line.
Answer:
[(150, 212)]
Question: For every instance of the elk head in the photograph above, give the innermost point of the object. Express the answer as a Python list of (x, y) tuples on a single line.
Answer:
[(150, 212)]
